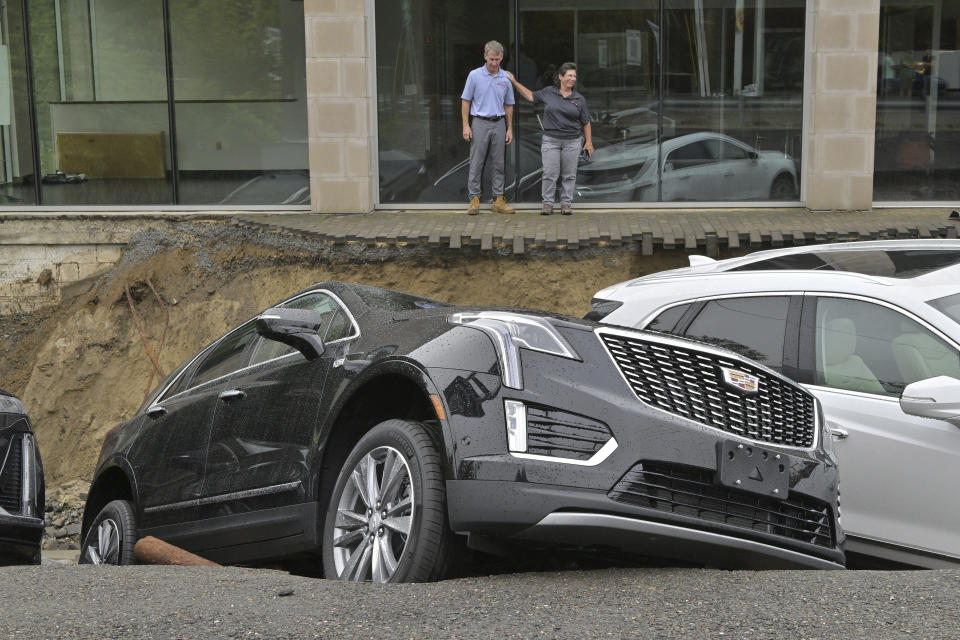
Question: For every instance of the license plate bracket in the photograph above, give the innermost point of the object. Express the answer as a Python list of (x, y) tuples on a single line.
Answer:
[(754, 469)]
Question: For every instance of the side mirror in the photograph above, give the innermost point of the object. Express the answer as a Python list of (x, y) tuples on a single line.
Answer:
[(298, 328), (753, 155), (937, 398)]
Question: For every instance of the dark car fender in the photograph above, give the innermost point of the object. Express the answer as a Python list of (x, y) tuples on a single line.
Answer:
[(341, 400), (107, 485)]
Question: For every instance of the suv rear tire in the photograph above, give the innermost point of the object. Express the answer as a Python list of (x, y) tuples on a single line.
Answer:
[(111, 536)]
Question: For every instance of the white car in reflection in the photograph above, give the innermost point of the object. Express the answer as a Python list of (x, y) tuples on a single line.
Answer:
[(873, 330), (703, 166), (639, 123)]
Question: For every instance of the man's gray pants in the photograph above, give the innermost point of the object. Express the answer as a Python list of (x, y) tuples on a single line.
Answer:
[(489, 140), (560, 159)]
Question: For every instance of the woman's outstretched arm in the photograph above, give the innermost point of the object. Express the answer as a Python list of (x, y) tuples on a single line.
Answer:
[(522, 90)]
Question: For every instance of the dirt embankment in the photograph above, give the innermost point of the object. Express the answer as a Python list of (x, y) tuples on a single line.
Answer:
[(85, 366)]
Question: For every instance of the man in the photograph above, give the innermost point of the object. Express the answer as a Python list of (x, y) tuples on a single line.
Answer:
[(487, 99)]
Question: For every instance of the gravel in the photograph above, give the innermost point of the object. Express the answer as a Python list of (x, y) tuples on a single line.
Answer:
[(57, 601)]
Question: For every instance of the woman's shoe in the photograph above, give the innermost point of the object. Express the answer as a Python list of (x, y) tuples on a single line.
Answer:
[(546, 210), (565, 210)]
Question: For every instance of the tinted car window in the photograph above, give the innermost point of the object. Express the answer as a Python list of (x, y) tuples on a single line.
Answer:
[(691, 155), (226, 357), (753, 327), (666, 322), (888, 264), (394, 300), (175, 388), (949, 305), (730, 151), (866, 347), (340, 328)]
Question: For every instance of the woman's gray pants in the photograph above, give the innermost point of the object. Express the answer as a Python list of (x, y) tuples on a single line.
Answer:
[(560, 158)]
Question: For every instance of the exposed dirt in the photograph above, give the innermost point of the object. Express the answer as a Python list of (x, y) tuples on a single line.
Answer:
[(83, 367)]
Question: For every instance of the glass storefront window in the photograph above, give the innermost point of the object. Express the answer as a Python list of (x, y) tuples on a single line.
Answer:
[(103, 110), (688, 100), (101, 101), (425, 49), (917, 152), (240, 93), (17, 179), (733, 93)]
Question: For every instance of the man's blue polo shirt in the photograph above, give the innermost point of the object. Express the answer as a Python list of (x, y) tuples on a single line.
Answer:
[(487, 94)]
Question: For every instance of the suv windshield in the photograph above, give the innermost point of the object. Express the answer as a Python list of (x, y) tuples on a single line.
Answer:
[(949, 305), (897, 263)]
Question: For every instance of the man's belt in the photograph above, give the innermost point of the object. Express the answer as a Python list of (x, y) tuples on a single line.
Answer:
[(490, 118)]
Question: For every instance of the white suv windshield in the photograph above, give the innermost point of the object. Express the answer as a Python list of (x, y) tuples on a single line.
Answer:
[(949, 305)]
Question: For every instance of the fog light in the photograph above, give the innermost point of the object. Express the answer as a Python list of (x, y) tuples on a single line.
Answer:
[(516, 415)]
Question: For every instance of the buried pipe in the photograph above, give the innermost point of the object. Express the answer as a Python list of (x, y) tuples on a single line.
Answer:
[(150, 550)]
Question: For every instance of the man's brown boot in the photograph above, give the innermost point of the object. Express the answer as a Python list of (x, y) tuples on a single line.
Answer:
[(500, 205), (474, 206)]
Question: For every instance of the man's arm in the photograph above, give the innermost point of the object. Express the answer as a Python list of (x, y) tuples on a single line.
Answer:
[(465, 114), (508, 109)]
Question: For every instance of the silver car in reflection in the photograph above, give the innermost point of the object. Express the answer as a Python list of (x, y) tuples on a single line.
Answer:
[(703, 166), (641, 123)]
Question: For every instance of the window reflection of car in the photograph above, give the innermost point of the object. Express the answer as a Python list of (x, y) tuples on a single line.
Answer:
[(703, 166), (873, 330), (451, 186), (273, 187), (21, 486), (639, 123)]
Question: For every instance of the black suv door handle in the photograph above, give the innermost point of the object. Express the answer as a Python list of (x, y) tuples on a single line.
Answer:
[(232, 394)]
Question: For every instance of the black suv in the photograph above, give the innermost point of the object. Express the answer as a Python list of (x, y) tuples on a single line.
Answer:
[(21, 486), (371, 427)]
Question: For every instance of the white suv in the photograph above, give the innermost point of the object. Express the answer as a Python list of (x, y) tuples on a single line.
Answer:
[(873, 330)]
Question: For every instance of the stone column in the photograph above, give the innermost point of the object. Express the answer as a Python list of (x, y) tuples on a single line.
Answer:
[(843, 104), (338, 106)]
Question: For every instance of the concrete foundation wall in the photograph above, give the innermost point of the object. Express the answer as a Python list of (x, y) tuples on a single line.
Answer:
[(44, 261)]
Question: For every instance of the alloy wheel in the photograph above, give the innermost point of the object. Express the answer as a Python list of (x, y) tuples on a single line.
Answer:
[(105, 546), (373, 518)]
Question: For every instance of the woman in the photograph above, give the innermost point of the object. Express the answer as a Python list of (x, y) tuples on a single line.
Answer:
[(565, 118)]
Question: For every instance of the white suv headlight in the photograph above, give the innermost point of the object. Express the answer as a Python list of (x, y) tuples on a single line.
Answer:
[(510, 332)]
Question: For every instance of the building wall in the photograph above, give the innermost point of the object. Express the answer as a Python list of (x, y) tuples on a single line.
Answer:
[(842, 95), (339, 106)]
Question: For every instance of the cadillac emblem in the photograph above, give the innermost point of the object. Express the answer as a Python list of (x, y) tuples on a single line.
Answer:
[(740, 380)]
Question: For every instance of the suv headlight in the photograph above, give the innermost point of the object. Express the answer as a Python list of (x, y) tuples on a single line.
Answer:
[(511, 332)]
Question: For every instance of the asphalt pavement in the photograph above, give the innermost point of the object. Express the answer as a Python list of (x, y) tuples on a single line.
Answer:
[(64, 601)]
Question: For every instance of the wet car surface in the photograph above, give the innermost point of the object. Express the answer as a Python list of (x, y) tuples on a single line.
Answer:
[(380, 430), (21, 485)]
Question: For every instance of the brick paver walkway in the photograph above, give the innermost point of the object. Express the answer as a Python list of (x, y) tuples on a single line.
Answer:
[(705, 231)]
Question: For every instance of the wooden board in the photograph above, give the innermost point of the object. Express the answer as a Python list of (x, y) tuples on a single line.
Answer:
[(112, 155)]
